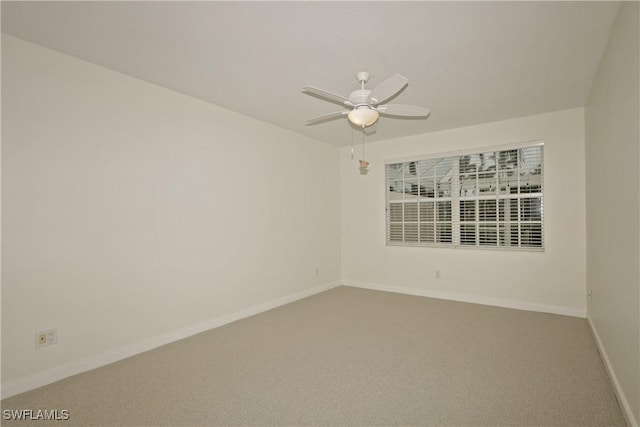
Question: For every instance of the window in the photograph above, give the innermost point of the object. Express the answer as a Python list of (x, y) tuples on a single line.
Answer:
[(486, 199)]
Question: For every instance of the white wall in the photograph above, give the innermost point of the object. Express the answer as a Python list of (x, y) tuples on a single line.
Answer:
[(613, 193), (130, 211), (553, 280)]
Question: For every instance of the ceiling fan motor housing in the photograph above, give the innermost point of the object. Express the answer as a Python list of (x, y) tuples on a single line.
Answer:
[(359, 96)]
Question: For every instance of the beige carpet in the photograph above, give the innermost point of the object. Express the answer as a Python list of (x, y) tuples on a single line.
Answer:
[(353, 357)]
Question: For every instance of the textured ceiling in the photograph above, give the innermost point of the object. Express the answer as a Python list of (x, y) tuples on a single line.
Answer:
[(468, 62)]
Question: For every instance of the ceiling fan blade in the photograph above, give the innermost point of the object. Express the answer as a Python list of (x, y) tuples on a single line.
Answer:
[(403, 110), (328, 95), (387, 89), (326, 117)]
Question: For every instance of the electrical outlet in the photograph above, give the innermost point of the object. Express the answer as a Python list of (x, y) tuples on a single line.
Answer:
[(46, 337), (437, 274)]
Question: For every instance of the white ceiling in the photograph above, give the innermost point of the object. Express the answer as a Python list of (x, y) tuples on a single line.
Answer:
[(469, 62)]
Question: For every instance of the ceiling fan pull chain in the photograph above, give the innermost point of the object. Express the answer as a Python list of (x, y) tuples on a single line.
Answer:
[(362, 142), (351, 144), (363, 163)]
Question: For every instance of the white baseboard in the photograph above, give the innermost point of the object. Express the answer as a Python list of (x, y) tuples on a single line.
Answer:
[(76, 367), (626, 409), (475, 299)]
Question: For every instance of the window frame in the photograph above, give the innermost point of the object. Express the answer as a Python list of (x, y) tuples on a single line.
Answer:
[(456, 199)]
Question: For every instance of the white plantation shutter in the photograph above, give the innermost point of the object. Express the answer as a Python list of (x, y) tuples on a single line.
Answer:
[(492, 198), (419, 201)]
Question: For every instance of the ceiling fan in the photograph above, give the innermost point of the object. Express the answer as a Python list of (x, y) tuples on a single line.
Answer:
[(365, 105)]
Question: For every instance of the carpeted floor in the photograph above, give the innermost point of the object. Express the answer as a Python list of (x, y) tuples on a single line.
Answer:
[(353, 357)]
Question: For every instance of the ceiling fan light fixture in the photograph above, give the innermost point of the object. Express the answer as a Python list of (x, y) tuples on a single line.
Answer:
[(363, 115)]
